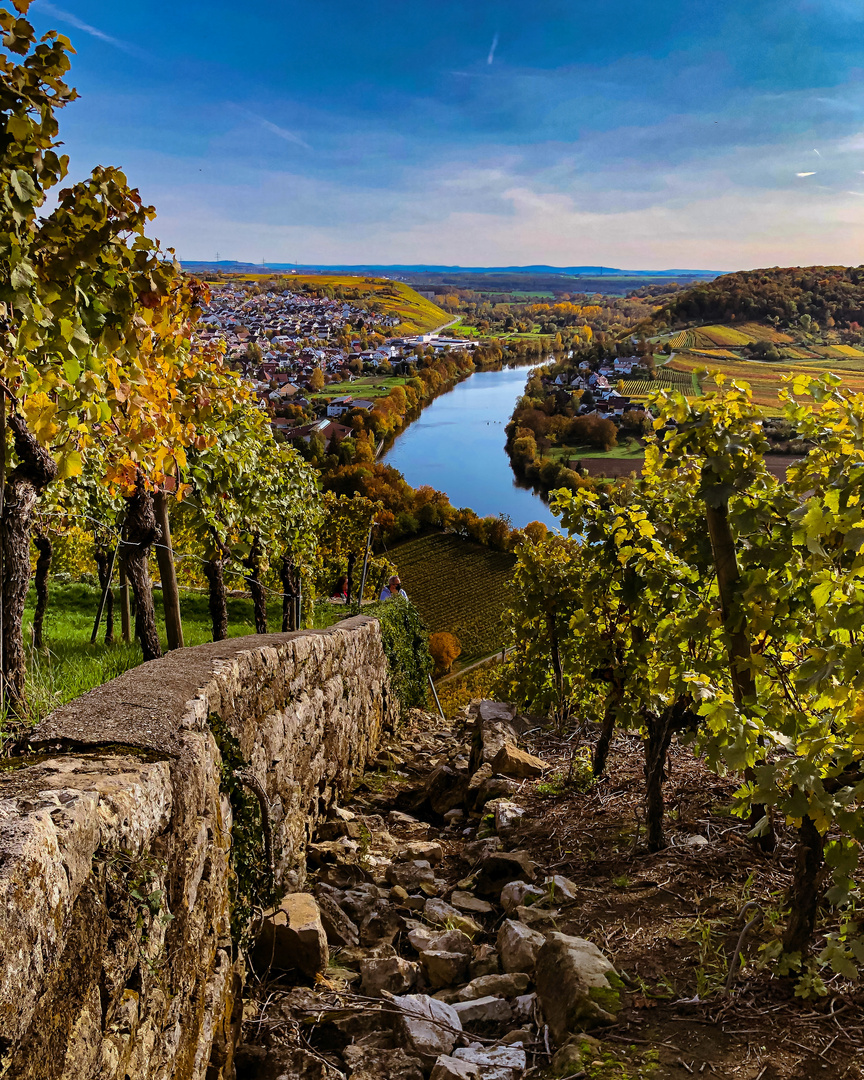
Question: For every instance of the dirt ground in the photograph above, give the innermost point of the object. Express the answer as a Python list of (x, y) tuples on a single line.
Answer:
[(668, 921)]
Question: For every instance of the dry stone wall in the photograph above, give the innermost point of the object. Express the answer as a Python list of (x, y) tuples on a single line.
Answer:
[(117, 956)]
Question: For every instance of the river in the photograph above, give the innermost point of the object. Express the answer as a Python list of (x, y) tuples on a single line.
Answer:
[(457, 446)]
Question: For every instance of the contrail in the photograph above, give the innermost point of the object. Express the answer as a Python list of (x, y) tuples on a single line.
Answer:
[(283, 133), (805, 173), (93, 31), (491, 55)]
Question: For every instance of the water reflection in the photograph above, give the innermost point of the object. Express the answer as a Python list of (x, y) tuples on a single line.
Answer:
[(457, 446)]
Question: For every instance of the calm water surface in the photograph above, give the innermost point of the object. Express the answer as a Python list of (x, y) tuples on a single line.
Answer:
[(457, 446)]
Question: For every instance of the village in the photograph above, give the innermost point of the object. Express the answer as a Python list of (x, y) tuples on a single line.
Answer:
[(289, 345), (599, 383)]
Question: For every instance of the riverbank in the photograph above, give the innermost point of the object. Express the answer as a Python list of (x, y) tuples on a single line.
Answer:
[(457, 445)]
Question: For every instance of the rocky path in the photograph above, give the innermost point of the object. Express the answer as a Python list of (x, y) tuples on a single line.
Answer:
[(445, 928), (425, 945)]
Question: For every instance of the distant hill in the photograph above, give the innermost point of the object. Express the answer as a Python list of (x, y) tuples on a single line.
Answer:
[(832, 296), (230, 267)]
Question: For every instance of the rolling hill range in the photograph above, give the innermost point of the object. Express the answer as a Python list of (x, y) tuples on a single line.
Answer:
[(762, 325)]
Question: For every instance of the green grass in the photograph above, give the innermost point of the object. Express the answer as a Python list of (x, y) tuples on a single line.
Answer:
[(371, 386), (458, 587), (629, 449), (69, 665)]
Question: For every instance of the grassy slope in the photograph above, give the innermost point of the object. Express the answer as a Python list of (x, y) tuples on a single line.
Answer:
[(373, 387), (417, 314), (72, 665), (457, 586)]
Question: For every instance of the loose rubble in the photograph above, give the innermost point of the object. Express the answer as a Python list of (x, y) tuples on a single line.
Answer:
[(427, 944)]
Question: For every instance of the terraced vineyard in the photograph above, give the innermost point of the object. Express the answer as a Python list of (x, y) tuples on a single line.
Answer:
[(458, 587), (668, 378)]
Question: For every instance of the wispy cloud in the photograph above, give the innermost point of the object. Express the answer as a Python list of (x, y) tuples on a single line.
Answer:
[(93, 31), (275, 129), (492, 49)]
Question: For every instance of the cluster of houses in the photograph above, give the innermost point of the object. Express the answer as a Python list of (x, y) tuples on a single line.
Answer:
[(279, 339), (598, 376)]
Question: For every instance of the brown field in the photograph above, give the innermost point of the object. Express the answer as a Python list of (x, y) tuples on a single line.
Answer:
[(778, 464)]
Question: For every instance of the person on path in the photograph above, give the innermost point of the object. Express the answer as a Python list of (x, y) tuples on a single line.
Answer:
[(393, 588)]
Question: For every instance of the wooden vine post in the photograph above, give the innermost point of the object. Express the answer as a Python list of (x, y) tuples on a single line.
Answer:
[(168, 574)]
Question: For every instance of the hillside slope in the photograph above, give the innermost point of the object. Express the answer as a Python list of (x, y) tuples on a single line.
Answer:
[(458, 587), (830, 295)]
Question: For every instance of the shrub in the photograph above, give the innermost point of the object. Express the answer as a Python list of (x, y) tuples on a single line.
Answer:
[(406, 646), (445, 648)]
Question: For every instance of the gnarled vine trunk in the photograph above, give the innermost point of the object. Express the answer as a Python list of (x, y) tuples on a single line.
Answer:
[(259, 595), (213, 571), (35, 470), (43, 567), (290, 582), (103, 569), (140, 535), (661, 727), (738, 647), (805, 891), (610, 715)]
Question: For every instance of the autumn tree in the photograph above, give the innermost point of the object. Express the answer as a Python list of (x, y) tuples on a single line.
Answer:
[(95, 338), (445, 648)]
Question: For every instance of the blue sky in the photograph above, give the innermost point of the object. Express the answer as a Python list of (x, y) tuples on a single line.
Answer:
[(718, 134)]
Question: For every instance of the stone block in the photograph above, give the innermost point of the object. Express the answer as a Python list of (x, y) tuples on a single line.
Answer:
[(518, 946), (293, 937), (577, 986)]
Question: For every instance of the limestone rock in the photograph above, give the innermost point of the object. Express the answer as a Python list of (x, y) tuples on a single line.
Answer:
[(393, 974), (499, 1063), (374, 1063), (501, 867), (360, 901), (292, 936), (429, 850), (524, 1007), (445, 789), (340, 930), (484, 1010), (518, 946), (484, 961), (507, 815), (440, 913), (382, 924), (410, 875), (538, 918), (466, 901), (425, 1026), (569, 1059), (495, 787), (335, 830), (443, 968), (510, 985), (576, 985), (518, 1035), (560, 888), (511, 761), (450, 1068), (423, 939), (515, 893)]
